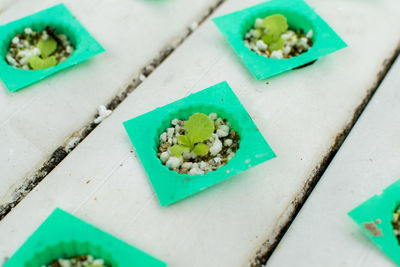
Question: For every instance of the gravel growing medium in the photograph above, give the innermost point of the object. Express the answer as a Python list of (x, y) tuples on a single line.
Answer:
[(288, 43), (28, 46), (78, 261), (396, 223), (223, 144)]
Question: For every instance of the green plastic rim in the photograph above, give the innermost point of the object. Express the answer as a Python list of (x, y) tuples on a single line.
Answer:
[(170, 186), (299, 16), (61, 18), (62, 234), (377, 212)]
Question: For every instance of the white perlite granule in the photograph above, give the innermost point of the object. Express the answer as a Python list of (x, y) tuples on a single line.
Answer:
[(103, 113)]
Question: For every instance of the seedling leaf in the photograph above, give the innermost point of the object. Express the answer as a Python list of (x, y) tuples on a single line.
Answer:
[(201, 149), (37, 63), (278, 45), (199, 127), (275, 24), (184, 140), (47, 47), (177, 150), (269, 39)]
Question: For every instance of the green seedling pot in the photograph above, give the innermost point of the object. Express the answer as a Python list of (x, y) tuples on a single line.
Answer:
[(170, 186), (63, 236), (299, 16), (64, 22), (378, 211)]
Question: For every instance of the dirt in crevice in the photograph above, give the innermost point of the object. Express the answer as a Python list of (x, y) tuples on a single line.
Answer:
[(268, 247), (372, 228), (61, 152)]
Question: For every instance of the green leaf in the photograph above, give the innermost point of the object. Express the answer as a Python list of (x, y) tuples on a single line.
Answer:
[(47, 47), (269, 38), (184, 140), (278, 45), (275, 24), (201, 149), (199, 127), (177, 150), (37, 63)]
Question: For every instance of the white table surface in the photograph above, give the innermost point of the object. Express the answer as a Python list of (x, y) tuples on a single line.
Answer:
[(300, 113)]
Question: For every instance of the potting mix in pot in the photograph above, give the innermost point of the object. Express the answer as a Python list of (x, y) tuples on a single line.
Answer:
[(271, 37), (396, 223), (199, 145), (78, 261), (33, 50)]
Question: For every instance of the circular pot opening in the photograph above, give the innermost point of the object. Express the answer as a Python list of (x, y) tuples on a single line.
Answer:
[(69, 249), (61, 28), (184, 114), (295, 22)]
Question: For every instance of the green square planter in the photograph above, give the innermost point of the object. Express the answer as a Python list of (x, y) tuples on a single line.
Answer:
[(61, 18), (170, 186), (377, 212), (63, 235), (299, 16)]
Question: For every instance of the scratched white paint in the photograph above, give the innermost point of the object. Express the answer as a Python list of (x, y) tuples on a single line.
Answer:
[(299, 113), (38, 119), (367, 163)]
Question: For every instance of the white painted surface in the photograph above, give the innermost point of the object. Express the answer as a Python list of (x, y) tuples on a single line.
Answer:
[(299, 113), (39, 118), (367, 162)]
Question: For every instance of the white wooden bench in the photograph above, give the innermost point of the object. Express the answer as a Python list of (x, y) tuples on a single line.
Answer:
[(304, 115)]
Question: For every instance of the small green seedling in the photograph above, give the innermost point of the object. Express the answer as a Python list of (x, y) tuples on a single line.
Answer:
[(198, 128), (38, 63), (274, 26), (47, 48)]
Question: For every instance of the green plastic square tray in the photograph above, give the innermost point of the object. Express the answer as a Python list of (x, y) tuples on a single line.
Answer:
[(64, 22), (144, 132), (63, 235), (378, 211), (299, 15)]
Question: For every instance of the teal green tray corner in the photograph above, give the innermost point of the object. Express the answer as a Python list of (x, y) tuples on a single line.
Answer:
[(299, 15), (170, 186), (381, 207), (60, 17), (61, 228)]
